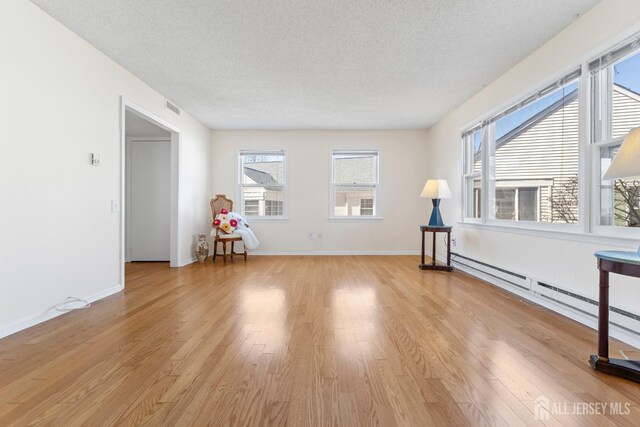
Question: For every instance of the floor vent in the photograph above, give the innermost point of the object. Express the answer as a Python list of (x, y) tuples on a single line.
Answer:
[(173, 108)]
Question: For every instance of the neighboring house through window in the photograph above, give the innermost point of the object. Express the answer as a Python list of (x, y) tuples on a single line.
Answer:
[(262, 183), (354, 183)]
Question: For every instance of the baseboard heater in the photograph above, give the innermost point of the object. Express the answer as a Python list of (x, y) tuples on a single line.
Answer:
[(510, 277), (621, 318)]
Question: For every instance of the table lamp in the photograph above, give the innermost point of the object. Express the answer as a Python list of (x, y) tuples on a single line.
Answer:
[(436, 189), (626, 164)]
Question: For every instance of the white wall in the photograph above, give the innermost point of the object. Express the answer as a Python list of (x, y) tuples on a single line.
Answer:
[(402, 175), (60, 102), (568, 264)]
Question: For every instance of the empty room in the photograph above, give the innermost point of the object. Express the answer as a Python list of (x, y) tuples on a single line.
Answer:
[(320, 213)]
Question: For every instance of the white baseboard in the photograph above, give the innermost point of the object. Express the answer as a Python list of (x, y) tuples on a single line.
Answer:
[(187, 261), (579, 316), (329, 253), (52, 313)]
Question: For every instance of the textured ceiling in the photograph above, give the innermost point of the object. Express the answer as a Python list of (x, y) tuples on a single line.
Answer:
[(317, 64)]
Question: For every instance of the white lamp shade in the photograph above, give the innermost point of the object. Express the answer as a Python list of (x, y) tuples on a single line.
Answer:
[(436, 189), (626, 164)]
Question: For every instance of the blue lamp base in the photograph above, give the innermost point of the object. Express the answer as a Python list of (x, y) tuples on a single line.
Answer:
[(436, 218)]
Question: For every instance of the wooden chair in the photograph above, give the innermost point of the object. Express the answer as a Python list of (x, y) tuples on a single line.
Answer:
[(217, 204)]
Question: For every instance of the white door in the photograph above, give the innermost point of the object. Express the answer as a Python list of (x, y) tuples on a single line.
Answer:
[(149, 200)]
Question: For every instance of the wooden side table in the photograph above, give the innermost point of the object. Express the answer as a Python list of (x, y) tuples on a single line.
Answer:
[(433, 265), (627, 264)]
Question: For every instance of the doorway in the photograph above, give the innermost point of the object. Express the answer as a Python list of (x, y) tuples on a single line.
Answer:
[(147, 196), (149, 202)]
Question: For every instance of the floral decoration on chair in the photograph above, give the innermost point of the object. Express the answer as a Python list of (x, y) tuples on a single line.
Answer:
[(229, 221)]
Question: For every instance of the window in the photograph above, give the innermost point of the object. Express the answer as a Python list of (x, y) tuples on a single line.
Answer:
[(519, 204), (251, 207), (532, 159), (262, 183), (273, 208), (366, 206), (615, 83), (354, 183)]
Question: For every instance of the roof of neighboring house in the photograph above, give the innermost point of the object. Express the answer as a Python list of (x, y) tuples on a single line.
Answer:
[(568, 98), (259, 177), (628, 91), (533, 120), (537, 118)]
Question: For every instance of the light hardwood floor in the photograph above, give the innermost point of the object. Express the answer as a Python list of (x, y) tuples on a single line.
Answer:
[(306, 341)]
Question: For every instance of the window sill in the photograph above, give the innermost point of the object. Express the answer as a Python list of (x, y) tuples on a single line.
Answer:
[(560, 233), (354, 218)]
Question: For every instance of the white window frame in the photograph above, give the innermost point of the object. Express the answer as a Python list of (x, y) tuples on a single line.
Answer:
[(467, 150), (241, 186), (332, 185), (600, 84)]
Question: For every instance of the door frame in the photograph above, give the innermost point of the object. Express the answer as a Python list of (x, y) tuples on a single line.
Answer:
[(174, 235)]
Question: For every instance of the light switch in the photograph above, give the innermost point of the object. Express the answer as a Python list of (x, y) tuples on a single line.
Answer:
[(115, 206), (95, 159)]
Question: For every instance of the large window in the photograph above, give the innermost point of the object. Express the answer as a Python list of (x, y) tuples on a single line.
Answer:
[(354, 183), (262, 183), (542, 160), (532, 163), (615, 83)]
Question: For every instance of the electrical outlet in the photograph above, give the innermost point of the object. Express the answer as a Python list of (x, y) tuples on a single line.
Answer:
[(453, 242), (309, 235)]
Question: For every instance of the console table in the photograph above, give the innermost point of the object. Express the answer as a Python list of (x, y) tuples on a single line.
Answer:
[(627, 264), (433, 265)]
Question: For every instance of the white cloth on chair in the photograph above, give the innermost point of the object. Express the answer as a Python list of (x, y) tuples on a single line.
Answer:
[(249, 239)]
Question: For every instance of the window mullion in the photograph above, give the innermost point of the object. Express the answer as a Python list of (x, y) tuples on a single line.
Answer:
[(488, 187)]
